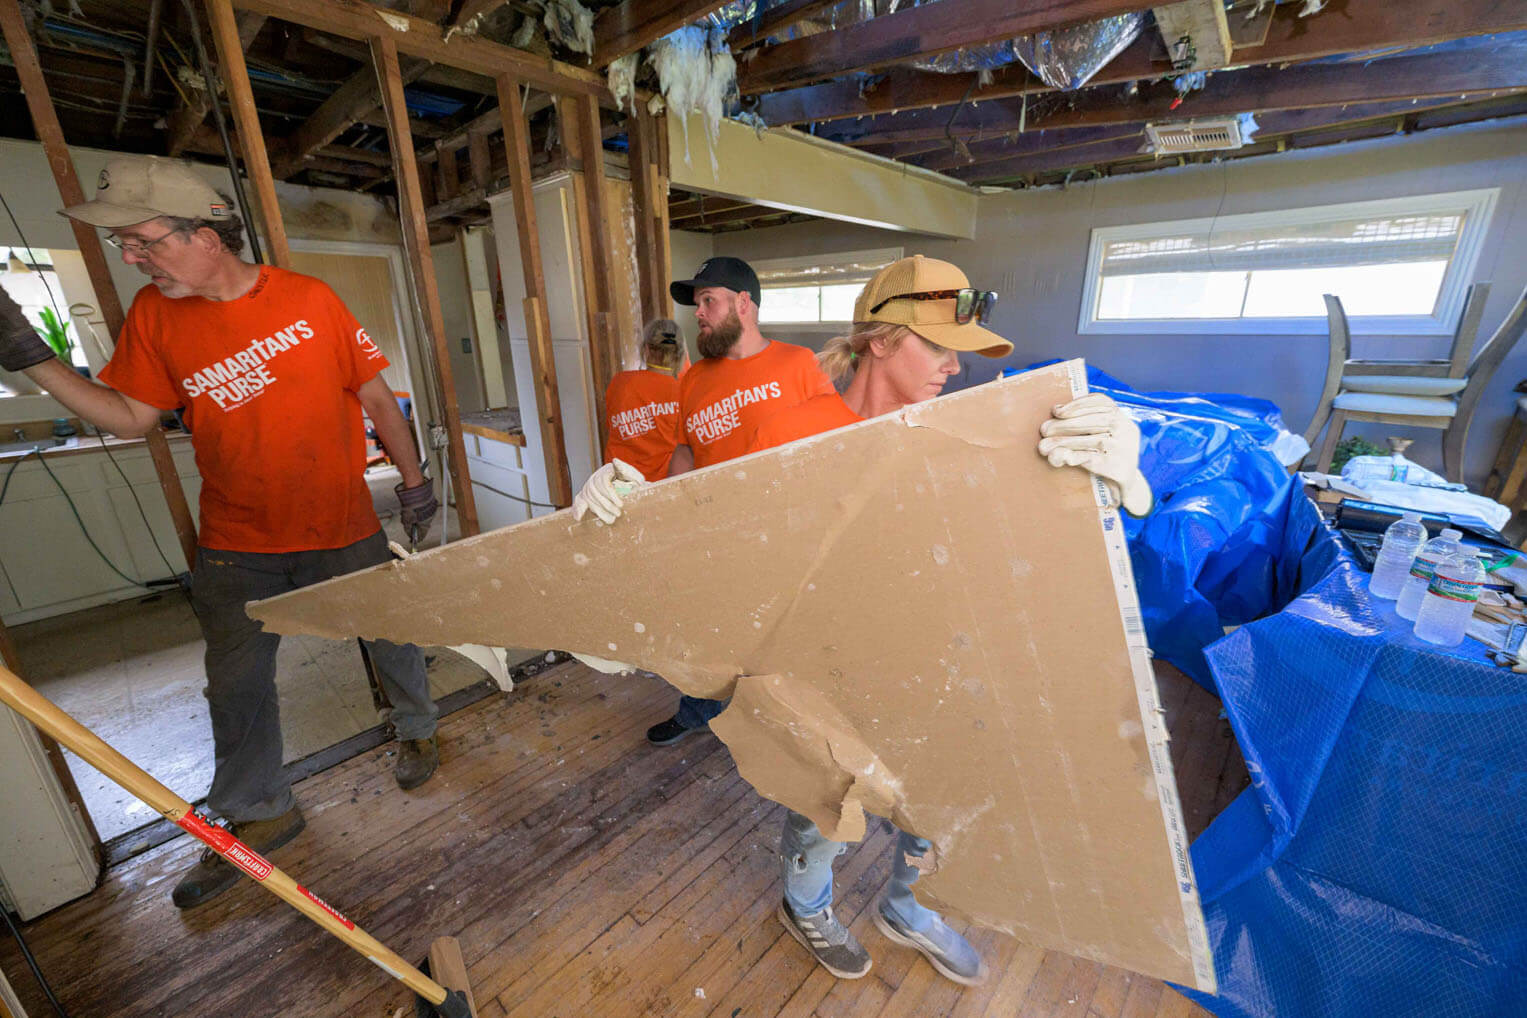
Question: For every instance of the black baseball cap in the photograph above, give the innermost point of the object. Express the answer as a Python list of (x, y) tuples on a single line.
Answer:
[(732, 273)]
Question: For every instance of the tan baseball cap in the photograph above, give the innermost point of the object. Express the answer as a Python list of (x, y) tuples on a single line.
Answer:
[(135, 189), (891, 297)]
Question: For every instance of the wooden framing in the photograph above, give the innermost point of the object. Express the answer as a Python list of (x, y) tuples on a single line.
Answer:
[(775, 19), (649, 208), (422, 267), (537, 322), (51, 134), (421, 38), (579, 117), (913, 33), (230, 55), (1363, 25), (632, 24), (1438, 75)]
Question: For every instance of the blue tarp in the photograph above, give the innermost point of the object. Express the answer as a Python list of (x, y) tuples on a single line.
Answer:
[(1375, 866), (1209, 555)]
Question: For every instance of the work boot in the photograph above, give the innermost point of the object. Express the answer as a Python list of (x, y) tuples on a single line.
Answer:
[(417, 760), (945, 949), (212, 874), (829, 942), (668, 732)]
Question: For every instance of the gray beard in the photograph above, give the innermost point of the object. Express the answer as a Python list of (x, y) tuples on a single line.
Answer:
[(719, 340)]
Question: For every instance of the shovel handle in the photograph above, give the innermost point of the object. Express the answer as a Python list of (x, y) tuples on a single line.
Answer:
[(43, 713)]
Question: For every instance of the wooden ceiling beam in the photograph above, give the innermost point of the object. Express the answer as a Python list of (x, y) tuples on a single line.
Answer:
[(991, 165), (1431, 75), (1358, 26), (913, 33), (741, 214), (775, 20), (359, 95), (632, 24), (438, 74), (420, 127), (418, 37)]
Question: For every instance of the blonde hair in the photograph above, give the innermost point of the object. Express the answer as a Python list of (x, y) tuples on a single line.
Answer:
[(656, 353), (838, 356)]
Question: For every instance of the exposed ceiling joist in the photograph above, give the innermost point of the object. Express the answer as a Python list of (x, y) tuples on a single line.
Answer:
[(1357, 26), (359, 95), (632, 24), (1431, 75), (438, 74), (1276, 126), (914, 33), (775, 19), (418, 37)]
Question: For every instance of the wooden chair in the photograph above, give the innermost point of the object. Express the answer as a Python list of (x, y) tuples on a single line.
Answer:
[(1441, 394)]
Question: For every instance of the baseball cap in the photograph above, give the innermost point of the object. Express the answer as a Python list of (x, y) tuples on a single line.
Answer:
[(135, 189), (732, 273), (889, 297)]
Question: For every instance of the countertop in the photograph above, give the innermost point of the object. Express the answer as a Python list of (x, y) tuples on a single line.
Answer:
[(501, 425), (79, 445)]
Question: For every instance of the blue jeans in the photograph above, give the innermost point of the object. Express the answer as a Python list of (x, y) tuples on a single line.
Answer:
[(694, 712), (806, 858)]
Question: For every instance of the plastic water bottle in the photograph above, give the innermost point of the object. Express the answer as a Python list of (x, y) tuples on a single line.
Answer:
[(1402, 542), (1450, 599), (1433, 551)]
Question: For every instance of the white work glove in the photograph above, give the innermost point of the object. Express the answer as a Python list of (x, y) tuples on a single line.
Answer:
[(604, 492), (1093, 433)]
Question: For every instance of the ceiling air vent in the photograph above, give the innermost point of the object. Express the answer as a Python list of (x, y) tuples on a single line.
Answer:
[(1195, 136)]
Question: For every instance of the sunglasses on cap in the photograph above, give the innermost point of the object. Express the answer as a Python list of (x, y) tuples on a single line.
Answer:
[(968, 303)]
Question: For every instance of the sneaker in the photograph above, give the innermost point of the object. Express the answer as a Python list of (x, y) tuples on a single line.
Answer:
[(829, 942), (417, 760), (212, 874), (945, 949), (670, 731)]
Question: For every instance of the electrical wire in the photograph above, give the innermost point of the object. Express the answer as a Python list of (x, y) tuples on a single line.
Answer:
[(141, 512), (150, 585), (41, 275), (26, 953)]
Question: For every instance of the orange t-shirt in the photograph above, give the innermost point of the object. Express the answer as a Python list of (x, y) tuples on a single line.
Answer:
[(268, 385), (724, 400), (816, 415), (642, 420)]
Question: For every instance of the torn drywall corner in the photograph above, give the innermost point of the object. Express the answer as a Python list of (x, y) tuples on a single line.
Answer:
[(953, 599), (795, 747)]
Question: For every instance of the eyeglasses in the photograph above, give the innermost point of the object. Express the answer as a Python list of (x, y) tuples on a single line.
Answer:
[(135, 248), (968, 303)]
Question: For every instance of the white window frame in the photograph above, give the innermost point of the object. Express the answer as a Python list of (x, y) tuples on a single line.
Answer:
[(1478, 204), (887, 254)]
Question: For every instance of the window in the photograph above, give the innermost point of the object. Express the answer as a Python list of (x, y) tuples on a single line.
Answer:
[(1400, 266), (817, 289), (31, 278)]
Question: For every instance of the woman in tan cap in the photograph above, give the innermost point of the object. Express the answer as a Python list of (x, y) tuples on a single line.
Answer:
[(911, 322)]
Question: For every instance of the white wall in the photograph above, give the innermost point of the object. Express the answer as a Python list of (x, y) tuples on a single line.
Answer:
[(688, 251), (456, 312), (1032, 246)]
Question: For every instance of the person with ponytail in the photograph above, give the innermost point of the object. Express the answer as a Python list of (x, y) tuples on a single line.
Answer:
[(642, 407)]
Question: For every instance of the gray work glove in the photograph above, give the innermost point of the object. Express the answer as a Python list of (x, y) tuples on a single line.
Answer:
[(419, 507), (20, 345)]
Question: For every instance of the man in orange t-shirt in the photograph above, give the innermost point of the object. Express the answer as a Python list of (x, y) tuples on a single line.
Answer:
[(273, 373), (642, 407), (742, 381)]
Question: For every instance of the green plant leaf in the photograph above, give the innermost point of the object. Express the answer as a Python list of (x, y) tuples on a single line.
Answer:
[(55, 333)]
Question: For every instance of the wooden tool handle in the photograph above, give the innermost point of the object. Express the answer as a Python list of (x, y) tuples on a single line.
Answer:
[(36, 708)]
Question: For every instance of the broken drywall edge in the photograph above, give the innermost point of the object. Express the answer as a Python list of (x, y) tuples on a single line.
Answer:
[(994, 632)]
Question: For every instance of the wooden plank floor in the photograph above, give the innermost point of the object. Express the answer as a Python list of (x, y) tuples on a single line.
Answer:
[(585, 872)]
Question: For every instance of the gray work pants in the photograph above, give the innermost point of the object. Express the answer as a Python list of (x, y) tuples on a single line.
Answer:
[(248, 782)]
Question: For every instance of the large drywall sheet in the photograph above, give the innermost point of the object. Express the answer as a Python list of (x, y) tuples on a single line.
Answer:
[(932, 624)]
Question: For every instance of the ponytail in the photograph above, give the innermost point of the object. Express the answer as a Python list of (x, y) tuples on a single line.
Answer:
[(840, 354)]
